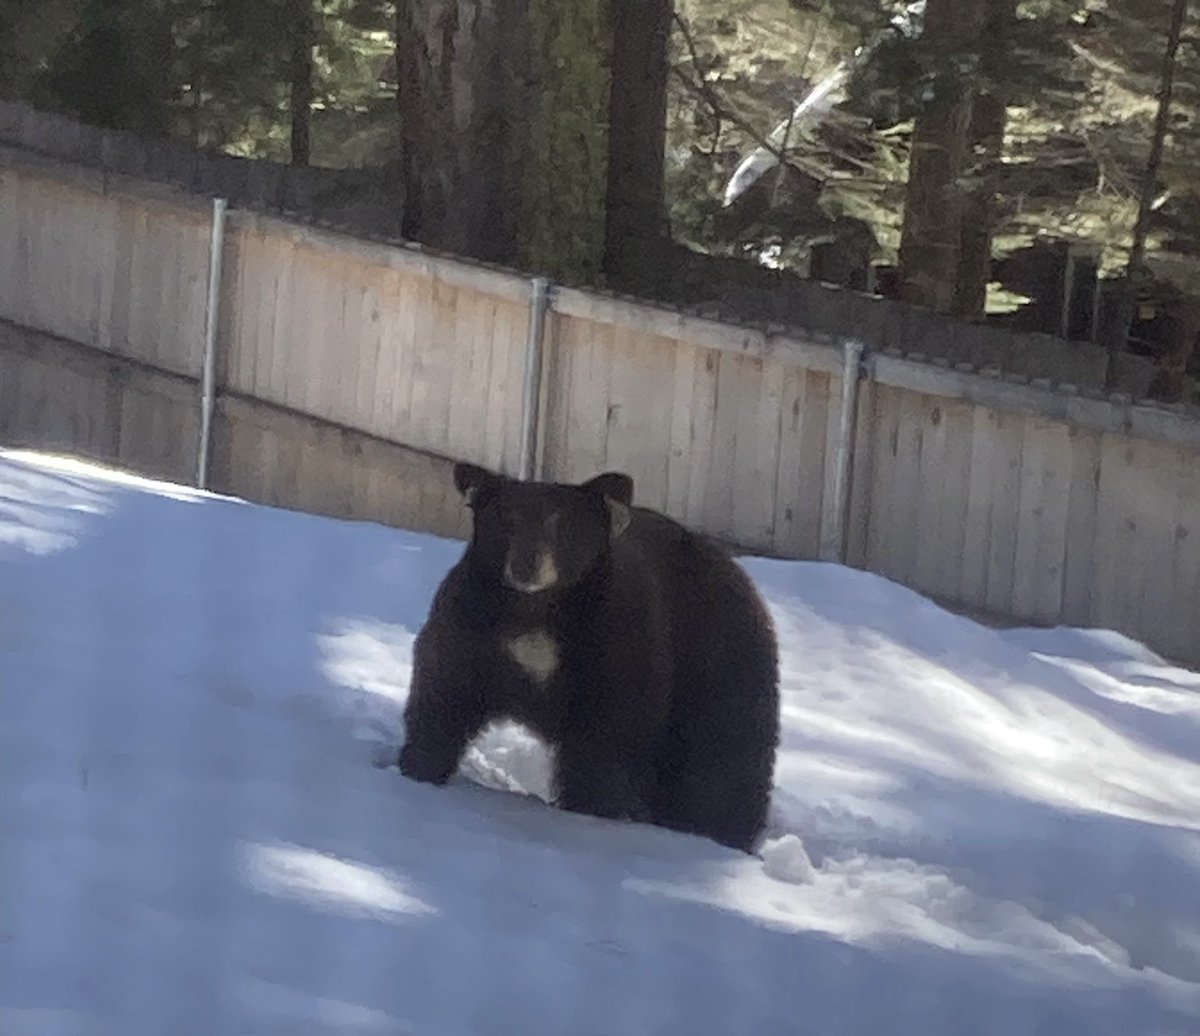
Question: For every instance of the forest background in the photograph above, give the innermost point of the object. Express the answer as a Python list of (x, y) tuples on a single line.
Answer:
[(1028, 163)]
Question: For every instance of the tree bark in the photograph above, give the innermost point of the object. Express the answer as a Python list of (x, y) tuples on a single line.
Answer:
[(533, 131), (304, 40), (931, 236), (989, 116), (1119, 337), (636, 208), (461, 85), (566, 156)]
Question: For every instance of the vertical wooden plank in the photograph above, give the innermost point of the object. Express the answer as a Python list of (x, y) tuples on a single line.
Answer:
[(499, 400), (1150, 567), (402, 328), (273, 377), (904, 508), (861, 474), (1079, 563), (977, 522), (336, 350), (438, 360), (588, 393), (195, 288), (718, 517), (929, 496), (470, 376), (106, 260), (886, 435), (743, 476), (791, 493), (703, 422), (556, 376), (1116, 533), (326, 356), (945, 481), (289, 360), (1180, 637), (638, 436), (382, 416), (234, 318), (364, 326), (1041, 532), (1005, 511), (421, 298), (10, 248), (516, 324), (756, 454), (830, 535), (265, 282), (683, 390)]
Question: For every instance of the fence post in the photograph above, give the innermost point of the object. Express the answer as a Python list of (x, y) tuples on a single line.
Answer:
[(212, 317), (834, 546), (532, 389)]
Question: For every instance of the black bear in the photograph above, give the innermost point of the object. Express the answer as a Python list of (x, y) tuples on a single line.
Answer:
[(639, 651)]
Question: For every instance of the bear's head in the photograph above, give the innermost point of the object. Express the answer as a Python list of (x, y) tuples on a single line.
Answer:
[(533, 537)]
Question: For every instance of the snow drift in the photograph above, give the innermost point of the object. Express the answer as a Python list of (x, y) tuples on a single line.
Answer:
[(974, 831)]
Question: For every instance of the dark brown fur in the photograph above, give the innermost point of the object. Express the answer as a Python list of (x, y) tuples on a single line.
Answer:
[(664, 706)]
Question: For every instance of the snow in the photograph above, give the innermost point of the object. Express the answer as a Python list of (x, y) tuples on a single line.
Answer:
[(974, 831)]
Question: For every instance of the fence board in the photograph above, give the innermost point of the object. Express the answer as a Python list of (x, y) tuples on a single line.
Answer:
[(1044, 500), (755, 472), (830, 535), (1116, 522), (704, 409), (1005, 512), (861, 477), (1146, 573), (729, 399), (946, 492), (973, 573), (1181, 630), (885, 447), (1080, 555), (910, 443), (639, 417), (800, 463)]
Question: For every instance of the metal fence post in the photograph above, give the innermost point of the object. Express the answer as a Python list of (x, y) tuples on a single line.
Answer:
[(532, 390), (208, 377)]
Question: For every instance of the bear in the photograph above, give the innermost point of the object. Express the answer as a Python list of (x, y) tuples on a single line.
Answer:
[(637, 650)]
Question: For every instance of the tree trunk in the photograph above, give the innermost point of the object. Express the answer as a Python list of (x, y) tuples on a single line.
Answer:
[(1119, 336), (931, 236), (989, 116), (636, 208), (566, 158), (459, 69), (533, 131), (304, 39), (504, 129)]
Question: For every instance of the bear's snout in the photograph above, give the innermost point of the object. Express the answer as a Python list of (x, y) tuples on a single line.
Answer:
[(530, 568)]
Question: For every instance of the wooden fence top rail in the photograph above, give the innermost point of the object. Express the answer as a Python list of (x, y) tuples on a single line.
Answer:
[(1177, 424)]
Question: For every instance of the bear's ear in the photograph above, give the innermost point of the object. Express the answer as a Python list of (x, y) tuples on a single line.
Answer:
[(619, 517), (471, 480), (613, 484)]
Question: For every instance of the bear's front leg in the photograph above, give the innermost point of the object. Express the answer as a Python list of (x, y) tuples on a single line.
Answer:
[(600, 783), (445, 711)]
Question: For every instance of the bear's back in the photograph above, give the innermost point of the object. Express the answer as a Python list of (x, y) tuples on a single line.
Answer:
[(714, 617)]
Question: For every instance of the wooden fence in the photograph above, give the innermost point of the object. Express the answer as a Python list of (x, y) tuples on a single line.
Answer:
[(1030, 500)]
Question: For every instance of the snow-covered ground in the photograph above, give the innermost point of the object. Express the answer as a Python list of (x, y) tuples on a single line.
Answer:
[(974, 832)]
